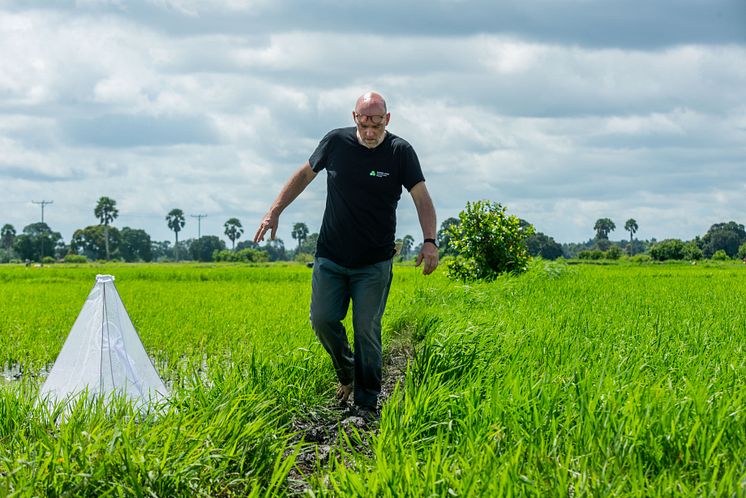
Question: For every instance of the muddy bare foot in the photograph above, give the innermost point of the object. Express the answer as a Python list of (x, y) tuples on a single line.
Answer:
[(343, 392)]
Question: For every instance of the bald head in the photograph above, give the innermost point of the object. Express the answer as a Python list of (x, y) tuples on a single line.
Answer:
[(371, 104), (371, 118)]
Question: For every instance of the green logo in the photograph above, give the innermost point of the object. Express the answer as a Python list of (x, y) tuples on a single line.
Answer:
[(373, 173)]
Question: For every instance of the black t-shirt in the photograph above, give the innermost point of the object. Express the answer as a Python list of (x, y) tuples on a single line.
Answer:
[(363, 189)]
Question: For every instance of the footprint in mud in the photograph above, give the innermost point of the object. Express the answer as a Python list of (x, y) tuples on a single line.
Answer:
[(321, 430)]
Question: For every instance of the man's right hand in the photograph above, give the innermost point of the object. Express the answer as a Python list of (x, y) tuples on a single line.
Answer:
[(269, 223), (294, 186)]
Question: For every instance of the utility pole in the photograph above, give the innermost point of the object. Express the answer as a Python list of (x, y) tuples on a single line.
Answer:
[(42, 204), (199, 223)]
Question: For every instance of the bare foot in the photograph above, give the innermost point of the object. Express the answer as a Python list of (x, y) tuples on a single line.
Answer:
[(343, 392)]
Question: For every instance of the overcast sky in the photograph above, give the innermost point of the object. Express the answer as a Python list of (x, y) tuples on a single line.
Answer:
[(564, 111)]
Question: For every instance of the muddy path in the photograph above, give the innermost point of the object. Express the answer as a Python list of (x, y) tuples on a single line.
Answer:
[(320, 431)]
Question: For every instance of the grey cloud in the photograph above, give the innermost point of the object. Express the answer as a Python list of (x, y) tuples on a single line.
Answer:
[(133, 131), (608, 23), (21, 172)]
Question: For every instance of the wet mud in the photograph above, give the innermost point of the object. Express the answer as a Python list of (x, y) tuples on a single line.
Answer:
[(338, 426)]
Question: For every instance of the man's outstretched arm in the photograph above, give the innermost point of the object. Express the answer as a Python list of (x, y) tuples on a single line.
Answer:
[(426, 214), (292, 189)]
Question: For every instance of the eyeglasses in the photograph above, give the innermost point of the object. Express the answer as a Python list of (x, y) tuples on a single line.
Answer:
[(376, 120)]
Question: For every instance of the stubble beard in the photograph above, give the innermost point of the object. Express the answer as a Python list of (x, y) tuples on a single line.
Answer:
[(367, 144)]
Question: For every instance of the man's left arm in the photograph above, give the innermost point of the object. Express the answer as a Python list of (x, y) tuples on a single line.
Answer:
[(426, 214)]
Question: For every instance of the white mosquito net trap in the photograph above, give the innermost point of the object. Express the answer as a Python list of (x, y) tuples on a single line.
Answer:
[(103, 354)]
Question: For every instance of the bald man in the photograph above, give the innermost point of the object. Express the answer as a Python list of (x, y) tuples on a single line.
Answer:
[(366, 168)]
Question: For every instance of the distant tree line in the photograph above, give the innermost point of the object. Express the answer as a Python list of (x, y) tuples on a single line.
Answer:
[(723, 241), (39, 243), (103, 241)]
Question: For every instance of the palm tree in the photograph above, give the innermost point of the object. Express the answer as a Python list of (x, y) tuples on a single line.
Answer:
[(7, 236), (300, 233), (176, 221), (631, 227), (233, 230), (106, 211), (602, 227)]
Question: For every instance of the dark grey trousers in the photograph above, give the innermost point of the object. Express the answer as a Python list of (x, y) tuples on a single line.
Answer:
[(333, 287)]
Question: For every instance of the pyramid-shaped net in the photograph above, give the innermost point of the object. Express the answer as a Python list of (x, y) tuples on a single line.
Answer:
[(103, 353)]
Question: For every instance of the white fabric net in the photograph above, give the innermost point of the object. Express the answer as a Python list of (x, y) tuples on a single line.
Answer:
[(103, 353)]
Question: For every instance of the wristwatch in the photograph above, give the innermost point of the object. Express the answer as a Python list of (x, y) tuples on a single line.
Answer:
[(432, 241)]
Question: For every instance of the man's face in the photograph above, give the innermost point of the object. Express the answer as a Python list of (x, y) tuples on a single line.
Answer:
[(371, 125)]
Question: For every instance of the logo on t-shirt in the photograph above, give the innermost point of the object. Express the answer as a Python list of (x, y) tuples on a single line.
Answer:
[(379, 174)]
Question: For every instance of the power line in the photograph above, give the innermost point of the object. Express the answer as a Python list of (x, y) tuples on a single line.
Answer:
[(42, 204), (199, 223)]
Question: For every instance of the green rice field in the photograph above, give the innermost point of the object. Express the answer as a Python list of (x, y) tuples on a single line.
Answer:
[(569, 380)]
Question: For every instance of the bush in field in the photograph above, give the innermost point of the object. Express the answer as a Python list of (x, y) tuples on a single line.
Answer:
[(591, 254), (692, 252), (243, 256), (488, 242), (303, 257), (75, 258), (613, 252), (253, 255), (668, 249), (720, 255)]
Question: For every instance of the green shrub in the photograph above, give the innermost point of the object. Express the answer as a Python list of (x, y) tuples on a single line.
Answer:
[(641, 258), (246, 255), (692, 252), (592, 254), (668, 249), (75, 258), (48, 260), (720, 255), (613, 252), (249, 255), (488, 243), (303, 257), (225, 255)]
